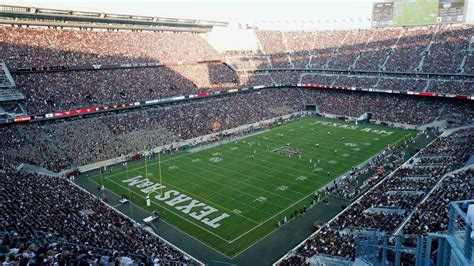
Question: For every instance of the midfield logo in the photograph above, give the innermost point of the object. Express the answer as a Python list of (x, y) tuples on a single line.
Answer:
[(287, 151)]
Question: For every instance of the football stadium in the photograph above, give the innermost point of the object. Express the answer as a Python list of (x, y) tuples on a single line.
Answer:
[(237, 133)]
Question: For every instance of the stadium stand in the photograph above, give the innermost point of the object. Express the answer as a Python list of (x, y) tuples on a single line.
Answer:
[(33, 47), (450, 86), (47, 92), (43, 222), (432, 214), (57, 146), (442, 48), (387, 205), (74, 229)]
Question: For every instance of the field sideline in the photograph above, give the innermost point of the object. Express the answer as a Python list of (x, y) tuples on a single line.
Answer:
[(231, 195)]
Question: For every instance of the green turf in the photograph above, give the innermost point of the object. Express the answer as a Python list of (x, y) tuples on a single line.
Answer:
[(416, 12), (254, 190)]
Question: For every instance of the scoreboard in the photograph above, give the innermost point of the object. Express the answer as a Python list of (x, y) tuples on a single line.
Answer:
[(382, 15), (418, 12)]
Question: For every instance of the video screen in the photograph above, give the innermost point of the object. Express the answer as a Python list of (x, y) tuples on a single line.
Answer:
[(417, 12)]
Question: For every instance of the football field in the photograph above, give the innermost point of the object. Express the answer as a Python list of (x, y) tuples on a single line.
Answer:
[(233, 194)]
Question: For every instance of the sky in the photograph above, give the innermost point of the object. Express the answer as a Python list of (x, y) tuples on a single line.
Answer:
[(243, 11), (277, 13)]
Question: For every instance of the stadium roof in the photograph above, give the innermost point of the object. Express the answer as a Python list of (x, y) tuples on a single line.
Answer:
[(24, 15)]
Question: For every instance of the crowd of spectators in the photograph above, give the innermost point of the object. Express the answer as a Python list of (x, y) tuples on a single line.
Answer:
[(38, 204), (274, 46), (208, 76), (351, 185), (241, 60), (60, 91), (451, 86), (354, 42), (47, 92), (461, 113), (431, 49), (285, 77), (409, 49), (60, 144), (377, 49), (305, 42), (433, 214), (356, 81), (385, 107), (82, 141), (448, 49), (402, 84), (327, 80), (31, 144), (58, 210), (388, 204), (256, 79), (34, 47)]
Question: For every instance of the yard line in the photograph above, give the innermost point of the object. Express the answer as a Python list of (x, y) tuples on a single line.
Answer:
[(340, 158), (301, 172), (280, 158), (264, 222), (213, 181), (276, 129), (253, 177), (261, 172)]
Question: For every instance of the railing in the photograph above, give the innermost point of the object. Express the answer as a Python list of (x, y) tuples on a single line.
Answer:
[(453, 248), (459, 228)]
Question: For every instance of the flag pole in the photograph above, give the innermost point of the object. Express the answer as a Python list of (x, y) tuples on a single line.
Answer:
[(129, 194), (146, 167), (159, 164), (101, 182)]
